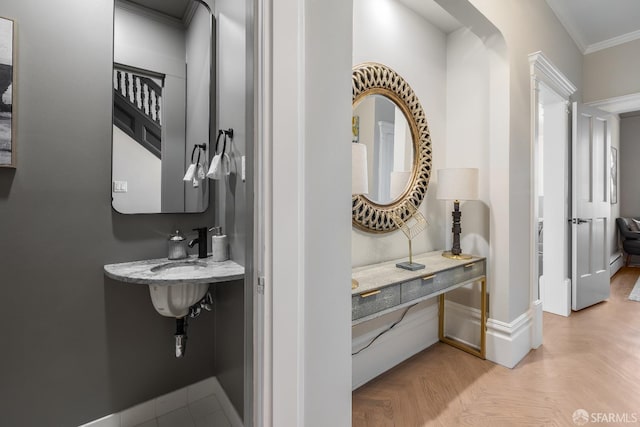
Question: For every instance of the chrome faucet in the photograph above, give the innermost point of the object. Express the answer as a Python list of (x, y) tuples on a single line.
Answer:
[(201, 241)]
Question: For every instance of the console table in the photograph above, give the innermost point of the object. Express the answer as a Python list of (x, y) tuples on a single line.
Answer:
[(383, 288)]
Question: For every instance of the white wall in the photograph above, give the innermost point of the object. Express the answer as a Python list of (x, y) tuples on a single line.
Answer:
[(308, 52), (143, 189), (468, 140), (612, 72), (387, 32), (520, 24), (450, 75), (308, 130)]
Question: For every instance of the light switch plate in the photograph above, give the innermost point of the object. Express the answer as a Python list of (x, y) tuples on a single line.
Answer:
[(244, 168)]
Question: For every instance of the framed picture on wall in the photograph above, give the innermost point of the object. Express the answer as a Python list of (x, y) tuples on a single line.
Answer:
[(7, 94), (614, 175)]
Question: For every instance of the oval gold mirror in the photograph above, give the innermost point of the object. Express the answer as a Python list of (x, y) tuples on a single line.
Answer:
[(390, 121)]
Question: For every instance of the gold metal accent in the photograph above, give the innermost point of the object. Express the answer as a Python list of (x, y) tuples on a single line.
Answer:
[(354, 284), (371, 79), (369, 294), (448, 254), (429, 277), (411, 226), (470, 265), (479, 352)]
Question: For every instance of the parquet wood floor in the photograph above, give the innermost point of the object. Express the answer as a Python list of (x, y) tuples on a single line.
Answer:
[(590, 361)]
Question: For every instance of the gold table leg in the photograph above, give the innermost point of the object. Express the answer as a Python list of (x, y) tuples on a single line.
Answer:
[(482, 351)]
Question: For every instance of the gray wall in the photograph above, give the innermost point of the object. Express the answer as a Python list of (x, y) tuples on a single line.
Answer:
[(234, 99), (77, 346), (629, 173)]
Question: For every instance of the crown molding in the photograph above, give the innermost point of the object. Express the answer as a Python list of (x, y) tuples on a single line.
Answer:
[(615, 41)]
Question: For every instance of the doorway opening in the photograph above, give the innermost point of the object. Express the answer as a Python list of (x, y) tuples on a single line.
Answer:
[(551, 202)]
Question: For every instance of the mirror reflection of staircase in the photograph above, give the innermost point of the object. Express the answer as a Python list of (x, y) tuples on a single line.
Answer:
[(137, 108)]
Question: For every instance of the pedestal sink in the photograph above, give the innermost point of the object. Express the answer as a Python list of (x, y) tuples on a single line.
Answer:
[(175, 285)]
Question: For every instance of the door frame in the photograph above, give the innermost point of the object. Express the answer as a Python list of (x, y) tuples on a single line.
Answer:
[(542, 72)]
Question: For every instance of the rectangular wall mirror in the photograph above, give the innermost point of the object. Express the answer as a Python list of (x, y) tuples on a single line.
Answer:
[(163, 82)]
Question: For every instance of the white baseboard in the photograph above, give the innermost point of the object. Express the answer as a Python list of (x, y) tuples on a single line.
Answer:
[(509, 343), (616, 263), (536, 324), (417, 331)]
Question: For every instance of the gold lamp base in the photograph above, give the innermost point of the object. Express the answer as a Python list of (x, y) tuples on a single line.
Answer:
[(354, 284), (448, 254)]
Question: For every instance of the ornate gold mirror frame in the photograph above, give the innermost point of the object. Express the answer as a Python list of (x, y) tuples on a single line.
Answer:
[(369, 79)]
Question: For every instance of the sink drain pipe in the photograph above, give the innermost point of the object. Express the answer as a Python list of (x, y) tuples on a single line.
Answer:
[(205, 303), (181, 336)]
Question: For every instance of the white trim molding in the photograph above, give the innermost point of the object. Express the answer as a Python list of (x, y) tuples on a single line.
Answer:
[(618, 104), (616, 262), (509, 343), (543, 70)]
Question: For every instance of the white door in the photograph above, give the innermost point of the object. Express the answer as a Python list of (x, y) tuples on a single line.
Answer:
[(590, 207)]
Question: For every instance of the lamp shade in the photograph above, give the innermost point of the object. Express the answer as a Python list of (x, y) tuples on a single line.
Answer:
[(359, 173), (457, 184)]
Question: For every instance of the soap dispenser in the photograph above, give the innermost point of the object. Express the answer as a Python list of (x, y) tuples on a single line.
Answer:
[(177, 246), (218, 245)]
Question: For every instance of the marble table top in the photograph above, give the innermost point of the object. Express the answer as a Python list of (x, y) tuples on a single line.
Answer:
[(375, 276), (163, 271)]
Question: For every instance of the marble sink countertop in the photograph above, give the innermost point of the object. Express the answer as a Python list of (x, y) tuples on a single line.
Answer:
[(188, 270), (375, 276)]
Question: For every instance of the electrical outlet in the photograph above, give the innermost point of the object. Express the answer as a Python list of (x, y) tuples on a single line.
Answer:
[(120, 186)]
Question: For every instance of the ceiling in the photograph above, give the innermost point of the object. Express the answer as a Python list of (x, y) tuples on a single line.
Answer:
[(432, 12), (593, 24), (598, 24), (174, 8)]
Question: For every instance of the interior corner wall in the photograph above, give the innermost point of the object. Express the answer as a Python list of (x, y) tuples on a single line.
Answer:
[(612, 72), (391, 34), (79, 346)]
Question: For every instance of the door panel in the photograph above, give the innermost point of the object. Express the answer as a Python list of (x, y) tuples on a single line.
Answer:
[(590, 206)]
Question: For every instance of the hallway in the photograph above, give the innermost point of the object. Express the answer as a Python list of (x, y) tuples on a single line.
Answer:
[(588, 361)]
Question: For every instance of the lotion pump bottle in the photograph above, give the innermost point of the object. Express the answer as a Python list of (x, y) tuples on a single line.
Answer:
[(219, 245)]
